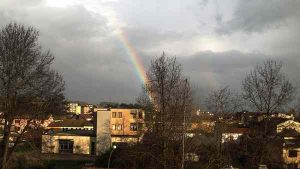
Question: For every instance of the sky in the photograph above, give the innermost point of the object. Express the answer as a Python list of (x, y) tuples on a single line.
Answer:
[(217, 42)]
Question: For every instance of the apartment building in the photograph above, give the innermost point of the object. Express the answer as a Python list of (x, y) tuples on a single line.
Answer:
[(126, 125), (80, 108), (74, 107)]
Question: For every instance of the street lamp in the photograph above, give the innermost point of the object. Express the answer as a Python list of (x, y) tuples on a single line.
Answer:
[(113, 147)]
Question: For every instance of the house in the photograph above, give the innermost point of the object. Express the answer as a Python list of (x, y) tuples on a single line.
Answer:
[(289, 124), (233, 134), (69, 136), (69, 142), (288, 116), (291, 148)]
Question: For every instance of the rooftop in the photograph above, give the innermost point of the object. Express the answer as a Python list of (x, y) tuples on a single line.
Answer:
[(71, 133), (71, 123)]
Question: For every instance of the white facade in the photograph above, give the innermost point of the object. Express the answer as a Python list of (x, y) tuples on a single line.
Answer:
[(290, 124), (81, 144)]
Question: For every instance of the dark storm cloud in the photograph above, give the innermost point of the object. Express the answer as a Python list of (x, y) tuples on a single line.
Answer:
[(91, 60), (257, 15), (210, 70), (95, 63)]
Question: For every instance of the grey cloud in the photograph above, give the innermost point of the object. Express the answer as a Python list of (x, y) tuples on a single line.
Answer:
[(209, 70), (143, 38), (257, 15), (96, 66), (93, 65)]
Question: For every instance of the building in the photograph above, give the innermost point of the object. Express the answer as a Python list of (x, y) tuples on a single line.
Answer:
[(74, 107), (291, 148), (289, 124), (69, 136), (70, 124), (79, 136), (87, 109), (102, 130), (126, 125), (233, 134), (80, 108), (117, 126), (69, 142)]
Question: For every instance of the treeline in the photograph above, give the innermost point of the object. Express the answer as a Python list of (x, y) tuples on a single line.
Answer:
[(119, 105)]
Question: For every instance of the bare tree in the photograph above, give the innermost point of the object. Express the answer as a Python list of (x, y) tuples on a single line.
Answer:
[(167, 101), (28, 85), (218, 100), (266, 90), (223, 100), (170, 95)]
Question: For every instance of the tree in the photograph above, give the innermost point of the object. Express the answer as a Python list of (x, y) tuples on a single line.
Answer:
[(266, 90), (223, 100), (171, 98), (28, 85)]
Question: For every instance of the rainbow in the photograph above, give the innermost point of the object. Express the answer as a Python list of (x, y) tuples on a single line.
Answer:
[(131, 52), (134, 57)]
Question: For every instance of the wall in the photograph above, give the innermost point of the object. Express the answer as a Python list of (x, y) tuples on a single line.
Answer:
[(126, 120), (82, 144), (291, 160), (102, 130)]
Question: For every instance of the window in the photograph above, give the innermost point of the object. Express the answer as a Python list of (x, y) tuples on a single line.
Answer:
[(119, 114), (117, 127), (66, 146), (113, 126), (133, 127), (114, 114), (133, 113), (293, 153), (140, 115)]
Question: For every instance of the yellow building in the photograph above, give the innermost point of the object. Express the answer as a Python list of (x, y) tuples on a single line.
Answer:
[(126, 125)]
